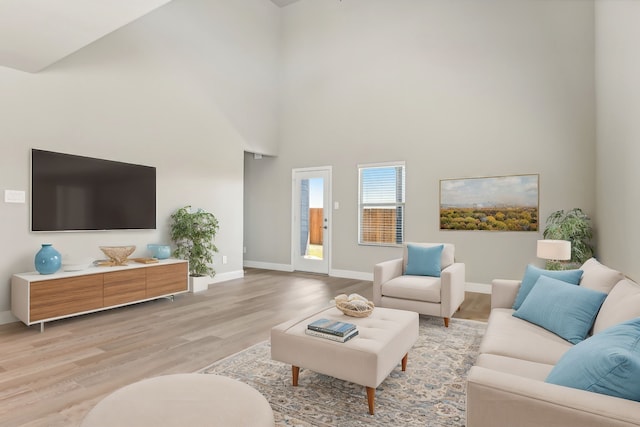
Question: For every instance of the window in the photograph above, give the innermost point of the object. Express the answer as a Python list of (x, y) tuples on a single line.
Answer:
[(381, 204)]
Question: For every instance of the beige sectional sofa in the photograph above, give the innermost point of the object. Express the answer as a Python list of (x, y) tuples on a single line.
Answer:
[(507, 387)]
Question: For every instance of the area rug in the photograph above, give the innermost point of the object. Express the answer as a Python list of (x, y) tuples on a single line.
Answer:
[(431, 392)]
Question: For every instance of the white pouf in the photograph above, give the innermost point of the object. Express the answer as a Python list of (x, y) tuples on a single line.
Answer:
[(191, 400), (384, 340)]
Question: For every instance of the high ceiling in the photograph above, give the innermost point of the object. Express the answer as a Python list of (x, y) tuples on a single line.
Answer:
[(34, 33)]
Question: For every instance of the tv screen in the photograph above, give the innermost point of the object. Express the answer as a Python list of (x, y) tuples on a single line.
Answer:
[(74, 193)]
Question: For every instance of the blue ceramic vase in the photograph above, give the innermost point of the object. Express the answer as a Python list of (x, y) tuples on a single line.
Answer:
[(48, 260), (159, 251)]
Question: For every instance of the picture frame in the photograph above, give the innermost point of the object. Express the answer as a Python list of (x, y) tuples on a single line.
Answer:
[(495, 203)]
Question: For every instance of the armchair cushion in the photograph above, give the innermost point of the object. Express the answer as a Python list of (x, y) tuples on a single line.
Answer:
[(424, 260), (562, 308), (532, 274), (418, 288)]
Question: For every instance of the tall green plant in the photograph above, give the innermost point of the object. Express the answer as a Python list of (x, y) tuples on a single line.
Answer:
[(574, 226), (193, 234)]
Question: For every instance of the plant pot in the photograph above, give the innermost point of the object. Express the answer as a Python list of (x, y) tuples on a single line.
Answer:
[(199, 283)]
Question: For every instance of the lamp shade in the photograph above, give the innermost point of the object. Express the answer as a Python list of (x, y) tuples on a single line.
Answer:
[(554, 249)]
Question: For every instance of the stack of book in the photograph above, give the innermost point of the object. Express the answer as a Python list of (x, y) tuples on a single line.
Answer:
[(332, 330)]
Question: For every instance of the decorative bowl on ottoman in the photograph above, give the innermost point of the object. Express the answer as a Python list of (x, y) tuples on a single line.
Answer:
[(118, 254), (354, 305)]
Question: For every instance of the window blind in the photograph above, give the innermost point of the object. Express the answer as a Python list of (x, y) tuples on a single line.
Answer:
[(381, 203)]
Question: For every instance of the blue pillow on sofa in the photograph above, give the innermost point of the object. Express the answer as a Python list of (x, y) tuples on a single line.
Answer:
[(564, 309), (424, 260), (532, 274), (607, 363)]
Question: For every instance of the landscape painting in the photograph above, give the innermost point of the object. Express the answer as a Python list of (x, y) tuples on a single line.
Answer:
[(502, 203)]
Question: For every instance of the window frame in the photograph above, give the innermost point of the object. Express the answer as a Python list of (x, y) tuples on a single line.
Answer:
[(396, 204)]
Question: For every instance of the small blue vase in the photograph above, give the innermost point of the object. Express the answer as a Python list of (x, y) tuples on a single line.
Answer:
[(48, 260), (159, 251)]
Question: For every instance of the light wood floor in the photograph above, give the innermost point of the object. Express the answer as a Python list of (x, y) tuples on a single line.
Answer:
[(54, 378)]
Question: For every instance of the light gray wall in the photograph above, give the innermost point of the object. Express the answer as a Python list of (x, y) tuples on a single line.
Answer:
[(185, 89), (618, 94), (456, 89)]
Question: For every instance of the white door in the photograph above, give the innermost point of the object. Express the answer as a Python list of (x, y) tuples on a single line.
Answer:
[(311, 219)]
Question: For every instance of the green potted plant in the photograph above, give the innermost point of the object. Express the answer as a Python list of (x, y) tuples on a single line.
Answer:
[(193, 233), (574, 226)]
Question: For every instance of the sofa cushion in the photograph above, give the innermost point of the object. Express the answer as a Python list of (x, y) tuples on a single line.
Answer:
[(607, 363), (532, 274), (423, 260), (599, 277), (512, 337), (623, 303), (511, 365), (447, 253), (419, 288), (564, 309)]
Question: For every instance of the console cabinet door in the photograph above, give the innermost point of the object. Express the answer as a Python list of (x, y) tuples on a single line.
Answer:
[(166, 279), (121, 287), (61, 297)]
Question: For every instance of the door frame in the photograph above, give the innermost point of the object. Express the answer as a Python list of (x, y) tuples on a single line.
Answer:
[(327, 211)]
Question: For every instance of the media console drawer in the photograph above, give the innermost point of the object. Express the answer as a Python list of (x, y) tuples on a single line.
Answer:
[(37, 298)]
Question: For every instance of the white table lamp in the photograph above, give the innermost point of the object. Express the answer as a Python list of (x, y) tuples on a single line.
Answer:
[(554, 250)]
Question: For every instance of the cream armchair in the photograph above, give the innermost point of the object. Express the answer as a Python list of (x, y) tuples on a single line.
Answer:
[(433, 296)]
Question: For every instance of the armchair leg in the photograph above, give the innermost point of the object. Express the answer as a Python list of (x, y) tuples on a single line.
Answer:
[(446, 322)]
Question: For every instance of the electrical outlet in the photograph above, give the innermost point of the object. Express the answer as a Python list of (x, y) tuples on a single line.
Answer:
[(14, 196), (224, 259), (244, 249)]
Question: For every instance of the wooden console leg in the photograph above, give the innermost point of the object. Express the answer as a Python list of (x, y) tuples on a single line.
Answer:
[(295, 371), (404, 362), (446, 322), (371, 398)]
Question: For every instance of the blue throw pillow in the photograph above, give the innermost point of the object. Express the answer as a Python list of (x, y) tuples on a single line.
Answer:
[(607, 363), (424, 260), (564, 309), (531, 275)]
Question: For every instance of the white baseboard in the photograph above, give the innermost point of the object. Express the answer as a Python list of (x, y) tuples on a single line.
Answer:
[(348, 274), (268, 266), (481, 288), (230, 275), (7, 317)]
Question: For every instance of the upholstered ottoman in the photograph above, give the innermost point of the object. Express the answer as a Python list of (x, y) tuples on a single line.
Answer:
[(384, 339), (192, 400)]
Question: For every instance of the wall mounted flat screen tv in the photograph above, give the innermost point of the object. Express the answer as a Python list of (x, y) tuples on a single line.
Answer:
[(76, 193)]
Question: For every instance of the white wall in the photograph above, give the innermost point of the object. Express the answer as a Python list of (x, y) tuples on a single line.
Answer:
[(457, 89), (186, 89), (618, 94)]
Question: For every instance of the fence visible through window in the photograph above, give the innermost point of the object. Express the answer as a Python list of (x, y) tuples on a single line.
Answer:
[(381, 204)]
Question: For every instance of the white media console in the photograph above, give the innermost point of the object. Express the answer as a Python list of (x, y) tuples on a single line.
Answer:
[(37, 298)]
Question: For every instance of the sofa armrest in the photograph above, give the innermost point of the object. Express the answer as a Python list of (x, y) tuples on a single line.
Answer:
[(503, 293), (498, 399), (382, 273), (452, 282)]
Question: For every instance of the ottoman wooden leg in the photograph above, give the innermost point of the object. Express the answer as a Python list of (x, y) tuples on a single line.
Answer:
[(404, 362), (295, 371), (371, 398)]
